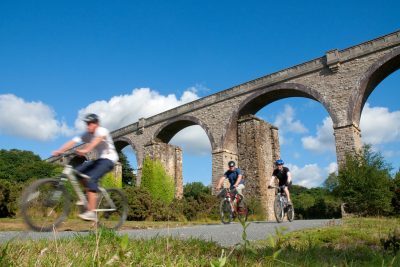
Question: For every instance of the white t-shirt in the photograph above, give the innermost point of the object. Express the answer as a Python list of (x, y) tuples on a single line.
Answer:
[(106, 148)]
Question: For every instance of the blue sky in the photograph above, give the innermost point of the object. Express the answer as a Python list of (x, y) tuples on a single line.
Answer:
[(61, 59)]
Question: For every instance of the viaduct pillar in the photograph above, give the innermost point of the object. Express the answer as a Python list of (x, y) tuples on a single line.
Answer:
[(258, 145), (348, 140)]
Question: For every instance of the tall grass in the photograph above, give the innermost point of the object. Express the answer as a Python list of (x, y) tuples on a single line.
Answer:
[(354, 242)]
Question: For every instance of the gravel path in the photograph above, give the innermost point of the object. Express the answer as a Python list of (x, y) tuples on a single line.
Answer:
[(225, 235)]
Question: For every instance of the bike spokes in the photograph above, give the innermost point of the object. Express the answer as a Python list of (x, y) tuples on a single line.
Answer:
[(225, 211), (112, 214), (278, 209), (45, 204)]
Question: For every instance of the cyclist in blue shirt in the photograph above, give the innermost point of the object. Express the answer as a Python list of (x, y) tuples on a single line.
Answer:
[(235, 178)]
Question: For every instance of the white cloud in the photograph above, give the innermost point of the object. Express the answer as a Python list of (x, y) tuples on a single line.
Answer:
[(123, 110), (311, 175), (324, 141), (379, 125), (193, 140), (31, 120), (286, 121)]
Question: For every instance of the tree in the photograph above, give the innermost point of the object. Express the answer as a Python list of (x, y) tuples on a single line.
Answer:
[(331, 182), (195, 190), (18, 165), (128, 178), (396, 191), (364, 183), (155, 179)]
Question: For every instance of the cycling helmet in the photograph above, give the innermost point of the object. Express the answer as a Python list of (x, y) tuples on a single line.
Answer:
[(279, 162), (231, 163), (91, 118)]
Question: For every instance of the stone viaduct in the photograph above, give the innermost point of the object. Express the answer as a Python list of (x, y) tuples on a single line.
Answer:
[(341, 80)]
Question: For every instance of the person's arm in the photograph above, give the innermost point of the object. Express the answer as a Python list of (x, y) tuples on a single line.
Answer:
[(238, 180), (289, 178), (68, 145), (221, 180), (90, 146), (271, 181)]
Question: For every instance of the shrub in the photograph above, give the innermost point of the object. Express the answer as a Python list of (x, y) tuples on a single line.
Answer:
[(155, 179)]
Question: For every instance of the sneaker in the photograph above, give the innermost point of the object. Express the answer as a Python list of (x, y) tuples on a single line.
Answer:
[(88, 216)]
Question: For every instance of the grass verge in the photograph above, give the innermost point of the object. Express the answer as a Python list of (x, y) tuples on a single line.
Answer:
[(354, 242)]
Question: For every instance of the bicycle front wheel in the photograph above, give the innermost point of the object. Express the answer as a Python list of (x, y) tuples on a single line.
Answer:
[(225, 211), (242, 211), (45, 204), (278, 209), (290, 213), (108, 216)]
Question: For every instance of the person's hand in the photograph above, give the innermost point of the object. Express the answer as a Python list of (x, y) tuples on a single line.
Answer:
[(56, 152), (81, 152)]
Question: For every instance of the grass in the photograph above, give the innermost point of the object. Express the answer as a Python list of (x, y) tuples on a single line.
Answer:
[(16, 224), (354, 242)]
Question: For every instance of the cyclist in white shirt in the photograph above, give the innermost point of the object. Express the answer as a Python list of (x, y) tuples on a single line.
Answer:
[(95, 138)]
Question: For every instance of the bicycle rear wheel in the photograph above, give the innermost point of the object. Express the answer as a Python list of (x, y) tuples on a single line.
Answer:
[(242, 211), (225, 211), (278, 210), (112, 218), (45, 204), (290, 213)]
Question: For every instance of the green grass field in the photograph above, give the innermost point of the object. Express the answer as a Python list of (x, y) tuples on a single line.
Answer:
[(354, 242)]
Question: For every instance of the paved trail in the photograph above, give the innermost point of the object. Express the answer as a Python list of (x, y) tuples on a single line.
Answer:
[(225, 235)]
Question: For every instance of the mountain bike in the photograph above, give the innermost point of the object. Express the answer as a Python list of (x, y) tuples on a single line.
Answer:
[(281, 206), (232, 205), (47, 202)]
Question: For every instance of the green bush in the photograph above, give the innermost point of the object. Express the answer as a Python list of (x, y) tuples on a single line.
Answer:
[(110, 181), (154, 178), (364, 183), (9, 195)]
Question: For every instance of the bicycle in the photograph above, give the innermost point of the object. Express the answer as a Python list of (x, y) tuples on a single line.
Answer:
[(47, 202), (281, 206), (230, 207)]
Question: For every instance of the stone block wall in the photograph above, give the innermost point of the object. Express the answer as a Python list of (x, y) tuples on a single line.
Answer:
[(258, 146), (348, 140)]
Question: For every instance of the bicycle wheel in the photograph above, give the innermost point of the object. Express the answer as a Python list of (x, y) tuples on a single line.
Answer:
[(242, 211), (225, 211), (45, 204), (107, 216), (278, 210), (290, 213)]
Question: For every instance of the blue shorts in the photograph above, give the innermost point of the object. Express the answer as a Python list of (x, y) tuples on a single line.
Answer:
[(95, 169)]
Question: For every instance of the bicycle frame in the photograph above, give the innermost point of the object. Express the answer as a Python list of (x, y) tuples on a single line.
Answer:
[(71, 173)]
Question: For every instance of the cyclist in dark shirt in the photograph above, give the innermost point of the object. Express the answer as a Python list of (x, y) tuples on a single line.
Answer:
[(235, 178), (283, 175)]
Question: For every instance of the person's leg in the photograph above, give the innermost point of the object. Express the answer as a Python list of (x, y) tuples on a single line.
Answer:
[(286, 190), (101, 167), (239, 189)]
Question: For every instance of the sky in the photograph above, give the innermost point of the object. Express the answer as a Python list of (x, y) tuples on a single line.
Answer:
[(130, 59)]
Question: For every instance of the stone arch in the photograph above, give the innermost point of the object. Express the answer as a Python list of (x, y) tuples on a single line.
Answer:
[(265, 96), (173, 126), (122, 142), (381, 69)]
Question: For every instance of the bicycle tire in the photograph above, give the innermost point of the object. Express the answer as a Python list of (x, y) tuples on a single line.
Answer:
[(290, 213), (45, 204), (112, 219), (242, 211), (278, 210), (225, 211)]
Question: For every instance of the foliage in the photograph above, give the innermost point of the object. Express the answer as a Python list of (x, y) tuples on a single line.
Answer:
[(9, 193), (396, 192), (20, 166), (314, 203), (364, 183), (110, 181), (155, 179), (195, 190), (128, 178), (331, 182)]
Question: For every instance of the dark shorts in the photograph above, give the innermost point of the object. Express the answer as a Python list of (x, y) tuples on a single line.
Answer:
[(95, 169)]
